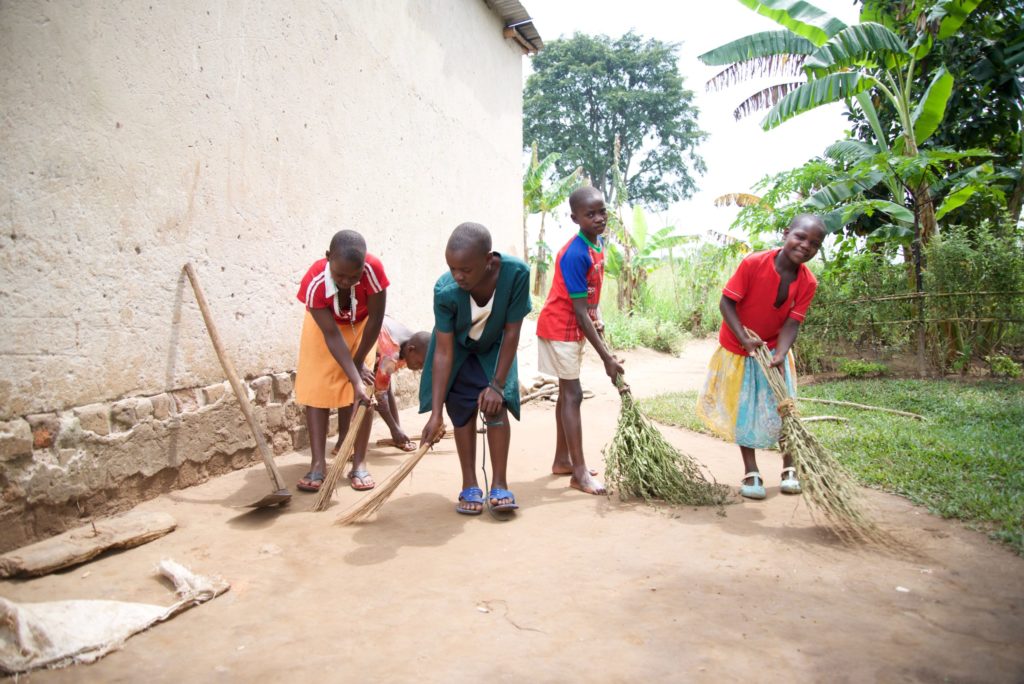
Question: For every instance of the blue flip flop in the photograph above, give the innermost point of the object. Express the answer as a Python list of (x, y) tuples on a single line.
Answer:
[(471, 495), (499, 493)]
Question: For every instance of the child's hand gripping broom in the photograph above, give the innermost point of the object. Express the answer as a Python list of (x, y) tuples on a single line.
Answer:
[(640, 462), (827, 485), (330, 483), (374, 502)]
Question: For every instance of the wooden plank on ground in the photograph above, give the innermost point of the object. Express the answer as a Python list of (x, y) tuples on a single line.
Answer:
[(84, 543)]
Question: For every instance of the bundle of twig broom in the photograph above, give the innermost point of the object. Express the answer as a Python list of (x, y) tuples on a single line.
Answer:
[(374, 502), (640, 463), (826, 484), (334, 473)]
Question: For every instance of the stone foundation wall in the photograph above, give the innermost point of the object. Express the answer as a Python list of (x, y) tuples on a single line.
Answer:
[(59, 468)]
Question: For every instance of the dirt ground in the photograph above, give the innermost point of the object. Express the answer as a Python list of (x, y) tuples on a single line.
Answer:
[(575, 588)]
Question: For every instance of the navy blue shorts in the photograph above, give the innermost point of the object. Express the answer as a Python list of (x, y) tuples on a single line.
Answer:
[(463, 398)]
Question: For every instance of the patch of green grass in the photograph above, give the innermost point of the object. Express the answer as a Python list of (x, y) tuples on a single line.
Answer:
[(965, 461), (675, 408), (856, 368)]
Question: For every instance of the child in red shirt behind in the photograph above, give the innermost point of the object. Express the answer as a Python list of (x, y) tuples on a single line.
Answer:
[(397, 347), (769, 294)]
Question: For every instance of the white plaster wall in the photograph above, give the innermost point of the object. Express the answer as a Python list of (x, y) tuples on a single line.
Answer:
[(239, 135)]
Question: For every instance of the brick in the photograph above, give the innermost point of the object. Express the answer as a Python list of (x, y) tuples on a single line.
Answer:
[(15, 439), (300, 437), (282, 443), (283, 386), (213, 393), (45, 427), (122, 415), (275, 416), (293, 413), (143, 408), (185, 400), (162, 406), (262, 387), (64, 456), (94, 418)]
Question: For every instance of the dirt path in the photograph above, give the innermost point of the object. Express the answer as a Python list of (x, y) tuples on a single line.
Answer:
[(576, 588)]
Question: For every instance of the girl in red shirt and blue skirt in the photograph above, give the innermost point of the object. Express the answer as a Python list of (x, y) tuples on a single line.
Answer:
[(769, 294)]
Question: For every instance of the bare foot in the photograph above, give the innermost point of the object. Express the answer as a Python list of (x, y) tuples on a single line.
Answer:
[(587, 484), (565, 468)]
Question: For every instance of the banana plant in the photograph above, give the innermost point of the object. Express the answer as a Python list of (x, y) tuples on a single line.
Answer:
[(825, 60), (540, 197), (634, 253)]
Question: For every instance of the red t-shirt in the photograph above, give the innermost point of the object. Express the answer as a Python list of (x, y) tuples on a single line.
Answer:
[(318, 291), (754, 287), (387, 360), (579, 273)]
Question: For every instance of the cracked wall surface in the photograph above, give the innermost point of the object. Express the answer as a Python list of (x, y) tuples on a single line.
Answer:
[(238, 136)]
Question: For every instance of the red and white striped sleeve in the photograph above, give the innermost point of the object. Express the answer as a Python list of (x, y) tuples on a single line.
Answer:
[(374, 275), (313, 289)]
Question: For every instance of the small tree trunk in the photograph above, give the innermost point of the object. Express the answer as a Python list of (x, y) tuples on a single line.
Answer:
[(540, 280), (926, 211), (916, 251), (1017, 198), (526, 244)]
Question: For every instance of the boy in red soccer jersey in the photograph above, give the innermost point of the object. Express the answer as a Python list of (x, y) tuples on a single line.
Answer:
[(569, 319)]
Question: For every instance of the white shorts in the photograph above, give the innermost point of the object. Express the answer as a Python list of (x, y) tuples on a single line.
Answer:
[(561, 359)]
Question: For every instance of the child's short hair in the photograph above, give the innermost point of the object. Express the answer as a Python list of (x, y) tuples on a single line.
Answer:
[(807, 221), (348, 245), (472, 236), (581, 195)]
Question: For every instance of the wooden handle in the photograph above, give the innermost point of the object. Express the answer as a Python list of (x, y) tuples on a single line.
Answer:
[(240, 391)]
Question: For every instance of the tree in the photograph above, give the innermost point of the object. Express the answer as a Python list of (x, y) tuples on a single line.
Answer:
[(867, 62), (635, 253), (986, 108), (586, 90), (539, 198)]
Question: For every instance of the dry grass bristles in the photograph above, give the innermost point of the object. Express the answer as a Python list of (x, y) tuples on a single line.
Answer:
[(826, 484), (374, 502), (334, 473), (640, 463)]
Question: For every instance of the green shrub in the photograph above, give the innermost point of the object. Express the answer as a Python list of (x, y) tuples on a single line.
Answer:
[(629, 332), (1003, 366), (856, 368)]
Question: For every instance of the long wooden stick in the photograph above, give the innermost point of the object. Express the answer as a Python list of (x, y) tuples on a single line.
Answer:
[(866, 407), (241, 392), (330, 483)]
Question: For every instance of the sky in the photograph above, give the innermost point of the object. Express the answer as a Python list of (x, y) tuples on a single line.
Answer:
[(737, 154)]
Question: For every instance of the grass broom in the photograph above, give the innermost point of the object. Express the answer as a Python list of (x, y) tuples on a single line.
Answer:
[(334, 473), (641, 463), (374, 502), (826, 484)]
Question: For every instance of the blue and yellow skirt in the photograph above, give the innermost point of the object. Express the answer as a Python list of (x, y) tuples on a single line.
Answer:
[(737, 403)]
